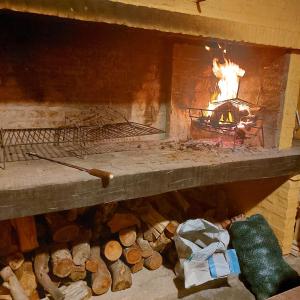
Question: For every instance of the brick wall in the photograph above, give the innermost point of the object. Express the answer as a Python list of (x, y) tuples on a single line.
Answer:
[(50, 67)]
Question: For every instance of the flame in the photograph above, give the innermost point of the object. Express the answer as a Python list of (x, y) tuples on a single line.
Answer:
[(229, 75)]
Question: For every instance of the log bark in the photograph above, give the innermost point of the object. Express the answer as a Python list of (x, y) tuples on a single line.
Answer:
[(132, 255), (13, 284), (144, 246), (62, 262), (154, 261), (121, 276), (15, 260), (27, 234), (27, 278), (41, 271), (62, 230), (101, 279), (81, 252), (138, 266), (112, 250), (122, 220), (127, 236), (78, 273)]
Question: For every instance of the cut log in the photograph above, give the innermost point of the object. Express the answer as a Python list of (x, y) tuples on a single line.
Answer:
[(121, 276), (41, 270), (112, 250), (8, 244), (154, 261), (132, 254), (27, 278), (151, 234), (160, 244), (101, 279), (137, 267), (127, 236), (72, 214), (76, 291), (78, 273), (62, 262), (181, 201), (81, 252), (13, 284), (62, 230), (27, 234), (144, 246), (171, 228), (122, 220), (15, 260)]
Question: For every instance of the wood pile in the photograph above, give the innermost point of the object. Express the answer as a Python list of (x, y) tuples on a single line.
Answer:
[(88, 251)]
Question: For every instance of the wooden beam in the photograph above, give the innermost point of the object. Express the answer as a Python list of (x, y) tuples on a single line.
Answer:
[(29, 188)]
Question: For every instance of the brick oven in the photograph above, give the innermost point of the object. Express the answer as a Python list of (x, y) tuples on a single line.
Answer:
[(131, 87)]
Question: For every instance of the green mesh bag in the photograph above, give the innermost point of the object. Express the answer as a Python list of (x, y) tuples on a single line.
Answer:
[(260, 257)]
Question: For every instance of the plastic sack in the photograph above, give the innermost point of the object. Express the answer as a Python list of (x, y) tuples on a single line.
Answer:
[(260, 258), (201, 248)]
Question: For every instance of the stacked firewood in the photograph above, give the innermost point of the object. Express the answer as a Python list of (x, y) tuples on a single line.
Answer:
[(81, 252)]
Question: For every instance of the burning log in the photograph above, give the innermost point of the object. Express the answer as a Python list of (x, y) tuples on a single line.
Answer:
[(123, 220), (154, 261), (101, 278), (41, 270), (15, 260), (132, 254), (62, 262), (27, 278), (78, 273), (62, 230), (27, 234), (127, 236), (112, 250), (13, 284), (121, 276)]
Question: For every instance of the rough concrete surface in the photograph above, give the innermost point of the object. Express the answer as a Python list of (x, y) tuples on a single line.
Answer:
[(162, 285)]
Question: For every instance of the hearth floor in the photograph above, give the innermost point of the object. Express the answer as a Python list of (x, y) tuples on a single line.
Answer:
[(160, 285)]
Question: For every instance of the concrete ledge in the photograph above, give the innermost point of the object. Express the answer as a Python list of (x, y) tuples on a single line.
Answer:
[(35, 187)]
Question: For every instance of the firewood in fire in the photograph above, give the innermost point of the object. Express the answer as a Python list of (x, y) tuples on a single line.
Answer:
[(41, 270), (27, 234), (112, 250), (138, 266), (27, 278), (127, 236), (62, 230), (101, 279), (154, 261), (78, 273), (62, 262), (132, 255), (122, 220), (144, 246), (12, 283), (15, 260), (121, 276)]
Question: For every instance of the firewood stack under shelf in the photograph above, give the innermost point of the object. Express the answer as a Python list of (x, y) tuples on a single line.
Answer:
[(88, 251)]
